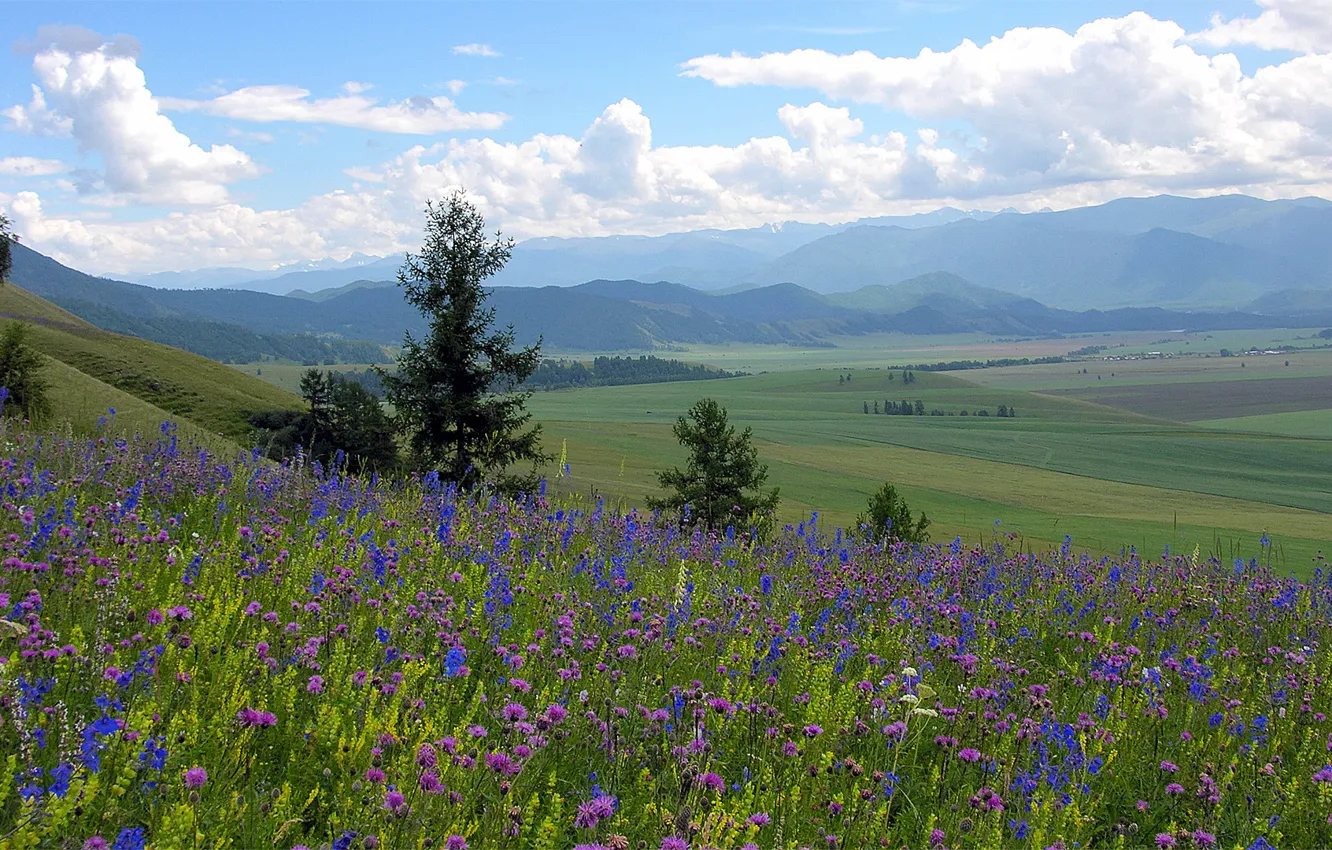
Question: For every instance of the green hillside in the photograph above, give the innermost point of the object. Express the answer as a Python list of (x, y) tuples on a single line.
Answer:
[(120, 371)]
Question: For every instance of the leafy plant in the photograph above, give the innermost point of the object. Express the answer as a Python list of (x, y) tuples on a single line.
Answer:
[(887, 516), (20, 368)]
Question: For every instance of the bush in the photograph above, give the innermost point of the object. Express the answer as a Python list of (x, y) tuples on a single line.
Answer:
[(887, 516), (20, 365)]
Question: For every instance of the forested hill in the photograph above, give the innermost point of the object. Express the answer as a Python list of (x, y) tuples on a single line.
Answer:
[(355, 322)]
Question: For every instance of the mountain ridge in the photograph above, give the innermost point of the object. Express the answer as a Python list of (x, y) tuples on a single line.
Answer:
[(598, 315)]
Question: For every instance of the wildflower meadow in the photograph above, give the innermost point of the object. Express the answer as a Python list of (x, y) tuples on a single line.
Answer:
[(227, 652)]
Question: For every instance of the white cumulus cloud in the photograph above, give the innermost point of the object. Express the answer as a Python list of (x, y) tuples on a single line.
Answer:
[(98, 95), (1304, 26), (1119, 98), (417, 115)]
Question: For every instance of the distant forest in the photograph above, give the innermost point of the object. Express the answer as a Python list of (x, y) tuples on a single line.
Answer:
[(229, 343), (567, 374), (617, 371)]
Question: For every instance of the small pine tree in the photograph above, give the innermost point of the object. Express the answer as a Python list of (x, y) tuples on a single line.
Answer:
[(920, 407), (867, 406), (876, 407), (360, 426), (723, 481), (317, 390), (887, 516), (20, 368)]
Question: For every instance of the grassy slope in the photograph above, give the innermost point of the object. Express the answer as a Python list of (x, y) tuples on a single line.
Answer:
[(1108, 478), (186, 386)]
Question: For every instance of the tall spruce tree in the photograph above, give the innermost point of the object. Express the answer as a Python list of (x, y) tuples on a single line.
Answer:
[(723, 481), (455, 392)]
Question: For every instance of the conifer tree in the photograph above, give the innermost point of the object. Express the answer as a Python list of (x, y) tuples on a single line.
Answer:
[(455, 392), (723, 481)]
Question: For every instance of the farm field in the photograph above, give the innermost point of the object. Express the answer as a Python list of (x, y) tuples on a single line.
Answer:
[(1302, 423), (1113, 464), (1106, 477)]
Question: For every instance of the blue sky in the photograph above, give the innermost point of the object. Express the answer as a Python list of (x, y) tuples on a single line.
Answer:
[(258, 134)]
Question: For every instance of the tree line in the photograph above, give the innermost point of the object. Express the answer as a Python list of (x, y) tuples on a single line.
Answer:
[(962, 365), (229, 343), (906, 408), (618, 371)]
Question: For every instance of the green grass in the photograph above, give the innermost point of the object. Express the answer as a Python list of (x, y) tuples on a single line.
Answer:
[(85, 403), (203, 392), (1302, 423), (1108, 478), (287, 375)]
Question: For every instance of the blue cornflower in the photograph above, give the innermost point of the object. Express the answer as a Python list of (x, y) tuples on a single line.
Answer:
[(454, 661), (130, 838)]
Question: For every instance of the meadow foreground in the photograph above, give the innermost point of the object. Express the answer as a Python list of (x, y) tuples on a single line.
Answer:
[(206, 653)]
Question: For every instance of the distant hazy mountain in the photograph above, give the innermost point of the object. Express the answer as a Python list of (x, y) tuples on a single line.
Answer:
[(707, 259), (1293, 302), (313, 279), (1187, 253), (200, 278), (214, 278), (631, 314), (1062, 266)]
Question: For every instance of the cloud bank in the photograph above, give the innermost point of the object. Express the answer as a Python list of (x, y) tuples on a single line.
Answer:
[(1034, 117)]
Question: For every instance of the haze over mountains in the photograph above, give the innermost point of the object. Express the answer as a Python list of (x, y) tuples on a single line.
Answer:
[(1135, 264), (1226, 252)]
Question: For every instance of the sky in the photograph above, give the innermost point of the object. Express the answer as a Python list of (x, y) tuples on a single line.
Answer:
[(169, 136)]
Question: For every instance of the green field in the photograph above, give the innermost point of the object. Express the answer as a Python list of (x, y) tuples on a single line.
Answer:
[(1107, 477), (287, 376), (1184, 451), (1302, 423)]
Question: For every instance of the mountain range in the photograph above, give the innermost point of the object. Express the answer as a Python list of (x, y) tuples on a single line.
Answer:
[(356, 322), (1227, 252)]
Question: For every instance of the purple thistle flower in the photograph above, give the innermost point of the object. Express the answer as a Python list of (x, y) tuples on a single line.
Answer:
[(195, 777)]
